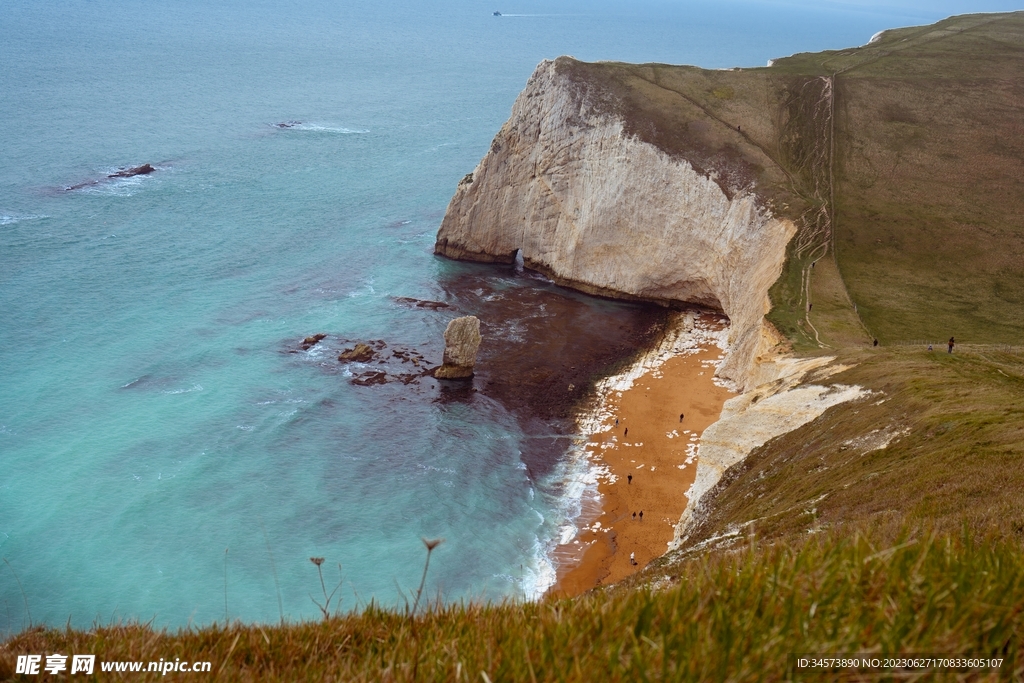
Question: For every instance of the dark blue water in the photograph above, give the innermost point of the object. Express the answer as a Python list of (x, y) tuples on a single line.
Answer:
[(159, 439)]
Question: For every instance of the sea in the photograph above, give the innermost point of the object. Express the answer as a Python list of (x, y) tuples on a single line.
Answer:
[(170, 450)]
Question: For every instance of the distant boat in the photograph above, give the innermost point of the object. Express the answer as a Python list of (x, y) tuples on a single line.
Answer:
[(497, 14)]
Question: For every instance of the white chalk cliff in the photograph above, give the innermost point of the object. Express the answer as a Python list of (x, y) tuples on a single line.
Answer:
[(602, 211)]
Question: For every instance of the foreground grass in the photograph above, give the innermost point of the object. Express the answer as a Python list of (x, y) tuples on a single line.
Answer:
[(738, 616)]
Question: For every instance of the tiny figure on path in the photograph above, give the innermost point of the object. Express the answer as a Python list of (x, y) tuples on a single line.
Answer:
[(616, 422), (626, 433), (876, 343), (951, 342), (641, 515), (929, 347), (629, 480), (634, 516), (681, 417), (632, 559)]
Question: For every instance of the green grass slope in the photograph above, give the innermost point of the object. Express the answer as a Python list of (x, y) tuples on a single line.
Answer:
[(930, 182), (902, 161), (938, 442)]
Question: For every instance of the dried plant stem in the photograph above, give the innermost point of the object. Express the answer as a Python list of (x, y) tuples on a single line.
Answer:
[(273, 569), (225, 586), (426, 565), (22, 588), (326, 607)]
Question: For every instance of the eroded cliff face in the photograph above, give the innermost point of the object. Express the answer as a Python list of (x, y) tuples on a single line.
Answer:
[(599, 210)]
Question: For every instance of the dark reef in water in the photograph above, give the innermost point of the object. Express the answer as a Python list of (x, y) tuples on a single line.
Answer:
[(543, 349), (422, 303), (144, 169)]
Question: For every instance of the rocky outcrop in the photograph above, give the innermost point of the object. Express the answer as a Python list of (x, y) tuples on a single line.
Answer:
[(570, 190), (360, 353), (461, 342), (145, 169), (312, 340)]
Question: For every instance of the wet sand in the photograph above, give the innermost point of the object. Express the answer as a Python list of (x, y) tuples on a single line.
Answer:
[(659, 452)]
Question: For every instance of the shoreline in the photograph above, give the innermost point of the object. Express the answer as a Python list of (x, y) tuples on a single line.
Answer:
[(633, 428)]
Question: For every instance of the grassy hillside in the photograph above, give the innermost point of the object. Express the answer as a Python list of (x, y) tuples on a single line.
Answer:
[(939, 442), (902, 161)]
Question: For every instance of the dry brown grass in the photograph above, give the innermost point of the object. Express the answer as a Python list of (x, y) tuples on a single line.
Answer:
[(739, 616)]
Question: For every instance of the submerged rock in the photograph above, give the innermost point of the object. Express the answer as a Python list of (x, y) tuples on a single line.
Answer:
[(145, 169), (368, 379), (461, 342), (422, 303)]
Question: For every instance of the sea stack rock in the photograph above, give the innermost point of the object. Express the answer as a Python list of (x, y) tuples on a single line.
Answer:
[(461, 341)]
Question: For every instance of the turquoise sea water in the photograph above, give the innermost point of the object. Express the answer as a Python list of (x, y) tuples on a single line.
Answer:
[(158, 443)]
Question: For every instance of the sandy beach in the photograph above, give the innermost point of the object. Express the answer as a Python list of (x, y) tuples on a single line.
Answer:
[(647, 452)]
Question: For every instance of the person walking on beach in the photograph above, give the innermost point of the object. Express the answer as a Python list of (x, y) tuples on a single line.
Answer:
[(951, 342), (641, 515), (629, 478), (634, 516), (681, 416), (626, 433), (632, 559)]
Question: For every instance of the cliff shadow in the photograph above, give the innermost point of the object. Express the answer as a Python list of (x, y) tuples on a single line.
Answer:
[(544, 347)]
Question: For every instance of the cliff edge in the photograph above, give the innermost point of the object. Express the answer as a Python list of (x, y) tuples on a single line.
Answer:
[(583, 198)]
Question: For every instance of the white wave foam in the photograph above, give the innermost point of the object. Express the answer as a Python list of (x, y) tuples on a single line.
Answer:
[(6, 219), (540, 576), (576, 481), (367, 288), (115, 187), (319, 128), (195, 387)]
